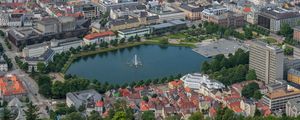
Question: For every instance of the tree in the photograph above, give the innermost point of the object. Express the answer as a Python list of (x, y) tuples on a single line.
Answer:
[(130, 39), (45, 89), (7, 115), (286, 30), (196, 116), (145, 98), (122, 40), (171, 1), (121, 115), (94, 116), (164, 41), (73, 116), (137, 38), (288, 50), (257, 112), (251, 75), (81, 108), (32, 112), (146, 35), (193, 27), (205, 67), (200, 25), (41, 67), (248, 33), (257, 95), (173, 117), (2, 33), (248, 90), (148, 115), (24, 66)]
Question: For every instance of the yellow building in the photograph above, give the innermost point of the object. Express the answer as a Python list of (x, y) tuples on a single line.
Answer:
[(294, 76), (191, 12)]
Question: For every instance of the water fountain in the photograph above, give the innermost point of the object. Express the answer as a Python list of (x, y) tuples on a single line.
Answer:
[(136, 62)]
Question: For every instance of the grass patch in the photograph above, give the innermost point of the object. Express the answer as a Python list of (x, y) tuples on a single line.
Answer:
[(177, 36), (269, 40)]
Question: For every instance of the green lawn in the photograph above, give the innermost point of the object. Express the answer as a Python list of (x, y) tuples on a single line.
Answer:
[(269, 40), (177, 36)]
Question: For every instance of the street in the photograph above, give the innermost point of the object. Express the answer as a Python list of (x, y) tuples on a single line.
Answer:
[(30, 85)]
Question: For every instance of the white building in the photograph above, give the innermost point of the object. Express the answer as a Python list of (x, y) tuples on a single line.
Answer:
[(15, 20), (201, 83), (59, 46), (35, 50), (248, 106), (216, 10), (293, 107), (127, 33), (90, 99), (99, 37)]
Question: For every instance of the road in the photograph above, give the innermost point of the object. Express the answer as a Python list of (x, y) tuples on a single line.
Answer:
[(30, 85)]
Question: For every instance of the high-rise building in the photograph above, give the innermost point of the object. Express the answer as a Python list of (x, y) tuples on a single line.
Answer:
[(267, 61)]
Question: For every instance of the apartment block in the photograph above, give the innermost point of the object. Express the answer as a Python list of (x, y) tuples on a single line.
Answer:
[(267, 61)]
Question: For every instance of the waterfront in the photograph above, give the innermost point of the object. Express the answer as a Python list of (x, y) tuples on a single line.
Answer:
[(157, 61)]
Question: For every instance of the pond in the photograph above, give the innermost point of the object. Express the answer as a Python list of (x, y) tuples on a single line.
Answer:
[(152, 61)]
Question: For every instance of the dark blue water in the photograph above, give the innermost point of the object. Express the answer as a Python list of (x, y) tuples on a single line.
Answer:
[(157, 62)]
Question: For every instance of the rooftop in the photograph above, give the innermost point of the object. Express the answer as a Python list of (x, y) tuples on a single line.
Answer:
[(45, 57), (97, 35), (280, 93), (65, 19), (49, 21), (89, 96), (202, 80), (191, 8), (297, 28), (11, 85), (215, 10), (266, 45), (279, 13)]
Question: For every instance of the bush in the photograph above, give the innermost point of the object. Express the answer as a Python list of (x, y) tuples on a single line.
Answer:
[(164, 41)]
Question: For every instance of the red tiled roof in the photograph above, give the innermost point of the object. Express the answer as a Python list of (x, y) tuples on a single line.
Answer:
[(78, 14), (144, 106), (139, 88), (187, 89), (132, 105), (265, 109), (13, 5), (11, 85), (232, 97), (20, 11), (176, 83), (99, 103), (97, 35), (235, 106), (247, 9), (124, 92), (135, 96), (212, 112), (186, 105), (207, 98)]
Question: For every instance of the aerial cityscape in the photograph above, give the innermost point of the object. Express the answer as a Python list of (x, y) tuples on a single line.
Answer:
[(149, 59)]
